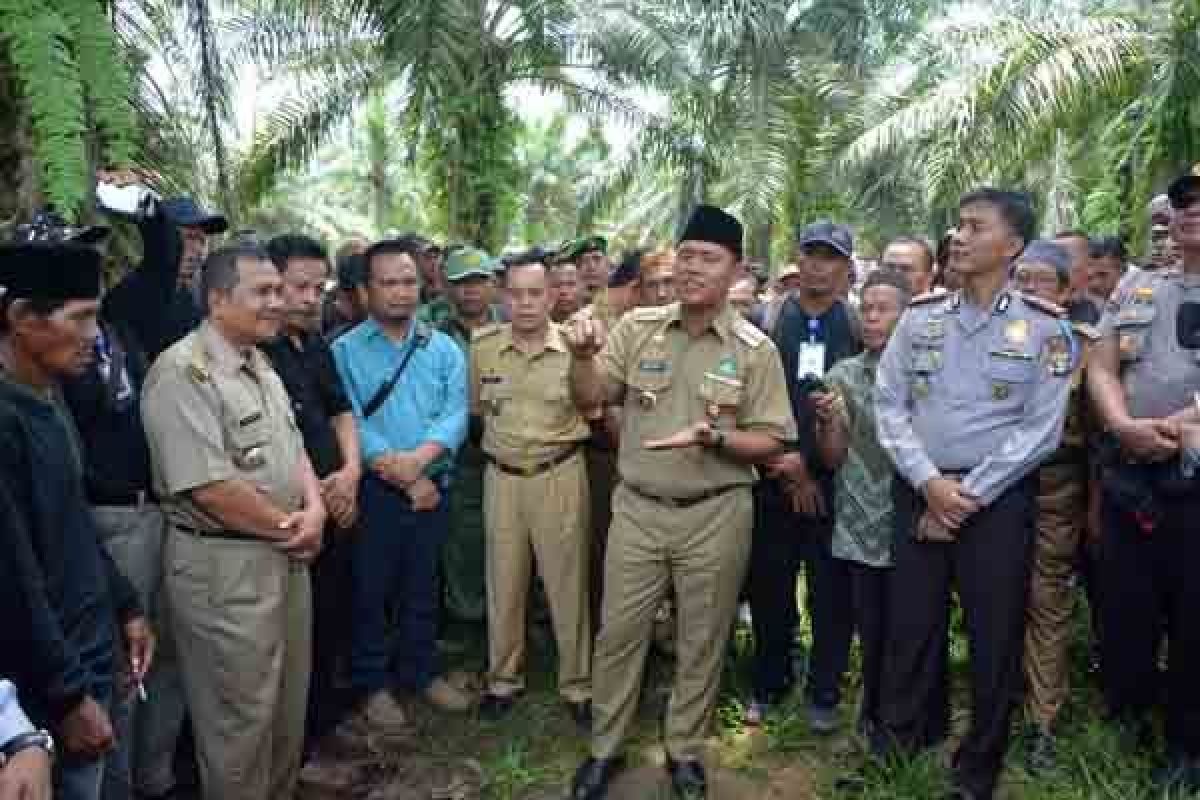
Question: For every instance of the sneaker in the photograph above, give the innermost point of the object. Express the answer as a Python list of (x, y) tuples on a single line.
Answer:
[(755, 714), (822, 720), (443, 696), (383, 714), (1040, 753), (496, 706)]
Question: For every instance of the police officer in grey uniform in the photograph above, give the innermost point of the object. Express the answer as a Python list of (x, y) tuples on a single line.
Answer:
[(971, 396), (1144, 376)]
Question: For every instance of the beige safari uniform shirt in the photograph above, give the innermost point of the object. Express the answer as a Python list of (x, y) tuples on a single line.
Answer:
[(731, 376), (213, 413), (525, 400)]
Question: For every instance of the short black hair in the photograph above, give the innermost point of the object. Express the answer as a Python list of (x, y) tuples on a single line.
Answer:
[(889, 277), (41, 306), (917, 241), (1107, 247), (220, 270), (403, 245), (1071, 233), (287, 246), (1015, 208)]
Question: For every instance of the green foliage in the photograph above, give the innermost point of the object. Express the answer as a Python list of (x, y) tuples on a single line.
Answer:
[(70, 74)]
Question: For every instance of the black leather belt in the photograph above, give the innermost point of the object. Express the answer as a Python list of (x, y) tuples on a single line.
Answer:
[(683, 502), (533, 469), (101, 497), (230, 535)]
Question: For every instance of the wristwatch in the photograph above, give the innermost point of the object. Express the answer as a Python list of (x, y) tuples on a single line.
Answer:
[(23, 742)]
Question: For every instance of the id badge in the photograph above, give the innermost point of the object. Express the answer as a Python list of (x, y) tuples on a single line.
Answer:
[(810, 361)]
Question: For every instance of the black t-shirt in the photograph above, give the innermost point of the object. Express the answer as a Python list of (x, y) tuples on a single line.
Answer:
[(315, 388)]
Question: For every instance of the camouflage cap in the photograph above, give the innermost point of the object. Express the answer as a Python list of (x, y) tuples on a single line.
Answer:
[(469, 262)]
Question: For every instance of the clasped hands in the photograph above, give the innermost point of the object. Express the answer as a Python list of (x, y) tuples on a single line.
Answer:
[(405, 471)]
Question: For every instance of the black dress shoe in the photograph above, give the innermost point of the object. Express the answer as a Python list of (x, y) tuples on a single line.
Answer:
[(496, 706), (687, 778), (581, 712), (592, 778)]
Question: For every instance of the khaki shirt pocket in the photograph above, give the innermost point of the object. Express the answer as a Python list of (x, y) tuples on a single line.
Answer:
[(494, 393), (722, 398), (250, 438)]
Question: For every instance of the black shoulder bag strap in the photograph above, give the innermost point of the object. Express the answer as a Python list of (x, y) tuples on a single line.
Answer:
[(420, 338)]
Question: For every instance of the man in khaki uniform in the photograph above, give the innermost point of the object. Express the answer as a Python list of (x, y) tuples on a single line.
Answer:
[(245, 518), (535, 492), (703, 399)]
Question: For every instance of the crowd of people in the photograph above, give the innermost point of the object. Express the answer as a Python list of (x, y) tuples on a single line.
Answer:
[(260, 489)]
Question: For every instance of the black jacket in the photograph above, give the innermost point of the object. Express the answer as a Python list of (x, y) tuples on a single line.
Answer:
[(67, 585)]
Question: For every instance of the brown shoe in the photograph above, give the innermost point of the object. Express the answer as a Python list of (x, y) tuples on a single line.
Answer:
[(382, 714), (442, 695)]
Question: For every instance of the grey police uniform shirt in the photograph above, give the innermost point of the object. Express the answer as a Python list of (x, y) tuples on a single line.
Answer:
[(1159, 374), (976, 391)]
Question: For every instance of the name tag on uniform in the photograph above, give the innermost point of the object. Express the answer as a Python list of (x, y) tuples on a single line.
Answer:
[(250, 420), (653, 365), (810, 360)]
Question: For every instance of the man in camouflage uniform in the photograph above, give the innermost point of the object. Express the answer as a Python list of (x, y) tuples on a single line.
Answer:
[(1044, 270), (466, 307)]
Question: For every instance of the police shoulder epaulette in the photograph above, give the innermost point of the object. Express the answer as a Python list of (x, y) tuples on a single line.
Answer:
[(1086, 331), (650, 314), (486, 331), (928, 297), (745, 330), (1045, 306)]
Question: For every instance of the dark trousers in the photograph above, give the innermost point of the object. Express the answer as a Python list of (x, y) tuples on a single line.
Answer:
[(782, 542), (868, 609), (332, 617), (1151, 588), (990, 563), (394, 568)]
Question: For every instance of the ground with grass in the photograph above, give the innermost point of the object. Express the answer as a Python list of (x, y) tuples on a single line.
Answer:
[(531, 754)]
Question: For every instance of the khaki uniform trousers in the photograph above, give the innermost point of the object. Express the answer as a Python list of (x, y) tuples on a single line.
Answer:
[(702, 552), (242, 619), (542, 517), (1061, 513)]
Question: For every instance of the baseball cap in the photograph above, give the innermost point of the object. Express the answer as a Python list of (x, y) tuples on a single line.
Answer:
[(627, 271), (50, 226), (468, 262), (186, 212), (1185, 189), (829, 234)]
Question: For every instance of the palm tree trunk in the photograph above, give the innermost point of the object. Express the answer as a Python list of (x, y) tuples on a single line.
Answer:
[(18, 170)]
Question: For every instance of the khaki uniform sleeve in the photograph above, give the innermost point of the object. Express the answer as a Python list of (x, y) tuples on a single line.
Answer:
[(183, 428), (767, 408), (614, 358)]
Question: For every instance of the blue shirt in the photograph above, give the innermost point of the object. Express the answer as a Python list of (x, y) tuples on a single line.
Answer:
[(13, 721), (429, 404)]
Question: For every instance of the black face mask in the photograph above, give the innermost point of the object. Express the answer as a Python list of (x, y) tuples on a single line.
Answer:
[(1187, 326)]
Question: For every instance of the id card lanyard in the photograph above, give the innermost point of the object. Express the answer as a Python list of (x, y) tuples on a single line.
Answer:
[(810, 361)]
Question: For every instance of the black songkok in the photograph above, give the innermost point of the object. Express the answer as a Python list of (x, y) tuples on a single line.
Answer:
[(50, 271), (711, 224)]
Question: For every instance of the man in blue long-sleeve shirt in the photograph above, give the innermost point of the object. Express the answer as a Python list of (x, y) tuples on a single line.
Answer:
[(408, 387)]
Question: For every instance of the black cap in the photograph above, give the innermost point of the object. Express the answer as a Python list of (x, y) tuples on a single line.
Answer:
[(829, 234), (184, 211), (628, 271), (50, 226), (351, 271), (50, 270), (711, 224), (1184, 187)]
